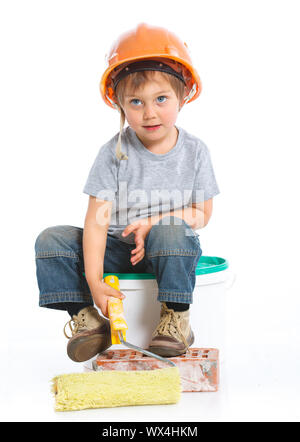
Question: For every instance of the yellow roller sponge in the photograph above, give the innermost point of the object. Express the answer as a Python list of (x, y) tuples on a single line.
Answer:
[(116, 389)]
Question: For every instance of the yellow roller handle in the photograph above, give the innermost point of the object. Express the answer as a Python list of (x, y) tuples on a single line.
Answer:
[(116, 312)]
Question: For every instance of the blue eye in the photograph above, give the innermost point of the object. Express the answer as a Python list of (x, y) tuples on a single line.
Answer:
[(134, 101), (163, 97)]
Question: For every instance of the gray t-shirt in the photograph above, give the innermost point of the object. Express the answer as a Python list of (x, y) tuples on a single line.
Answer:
[(147, 183)]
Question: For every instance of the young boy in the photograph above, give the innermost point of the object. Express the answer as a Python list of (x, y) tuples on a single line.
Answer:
[(146, 199)]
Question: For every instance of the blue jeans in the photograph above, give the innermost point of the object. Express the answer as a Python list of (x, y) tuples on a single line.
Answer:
[(171, 254)]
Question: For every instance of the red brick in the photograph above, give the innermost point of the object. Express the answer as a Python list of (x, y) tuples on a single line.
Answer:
[(198, 367)]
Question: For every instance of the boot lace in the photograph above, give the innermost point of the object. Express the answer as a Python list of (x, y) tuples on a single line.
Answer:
[(169, 325), (76, 325)]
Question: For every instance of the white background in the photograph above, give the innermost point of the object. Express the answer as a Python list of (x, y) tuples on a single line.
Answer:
[(53, 121)]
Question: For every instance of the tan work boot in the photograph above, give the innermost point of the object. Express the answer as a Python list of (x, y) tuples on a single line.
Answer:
[(90, 334), (173, 336)]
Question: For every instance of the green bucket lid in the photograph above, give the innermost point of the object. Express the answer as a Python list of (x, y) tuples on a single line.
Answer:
[(210, 264), (206, 264)]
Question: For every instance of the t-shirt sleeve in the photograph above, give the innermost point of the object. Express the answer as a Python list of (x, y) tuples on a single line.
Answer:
[(102, 179), (205, 184)]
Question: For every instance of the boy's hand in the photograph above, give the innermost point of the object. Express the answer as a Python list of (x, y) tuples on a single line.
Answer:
[(101, 293), (140, 230)]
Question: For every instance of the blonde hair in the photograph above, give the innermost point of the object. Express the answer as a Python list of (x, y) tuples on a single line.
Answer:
[(133, 82)]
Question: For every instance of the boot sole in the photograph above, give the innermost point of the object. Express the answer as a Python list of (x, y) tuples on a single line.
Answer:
[(166, 352), (85, 347), (169, 352)]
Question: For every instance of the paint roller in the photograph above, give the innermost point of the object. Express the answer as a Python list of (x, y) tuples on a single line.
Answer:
[(102, 389)]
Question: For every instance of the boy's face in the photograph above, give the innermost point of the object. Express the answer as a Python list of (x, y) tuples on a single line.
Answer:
[(152, 111)]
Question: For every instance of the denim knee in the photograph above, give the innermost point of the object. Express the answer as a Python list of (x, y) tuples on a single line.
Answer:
[(59, 266), (172, 236), (58, 240)]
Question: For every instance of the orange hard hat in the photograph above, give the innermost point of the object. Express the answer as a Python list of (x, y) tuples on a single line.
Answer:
[(149, 43)]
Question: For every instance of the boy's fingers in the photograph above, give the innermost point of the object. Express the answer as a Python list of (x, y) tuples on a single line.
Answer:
[(115, 293), (139, 244), (105, 311), (138, 257), (129, 229), (138, 249), (103, 308)]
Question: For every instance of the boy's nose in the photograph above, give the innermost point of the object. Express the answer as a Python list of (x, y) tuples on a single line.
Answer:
[(148, 112)]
